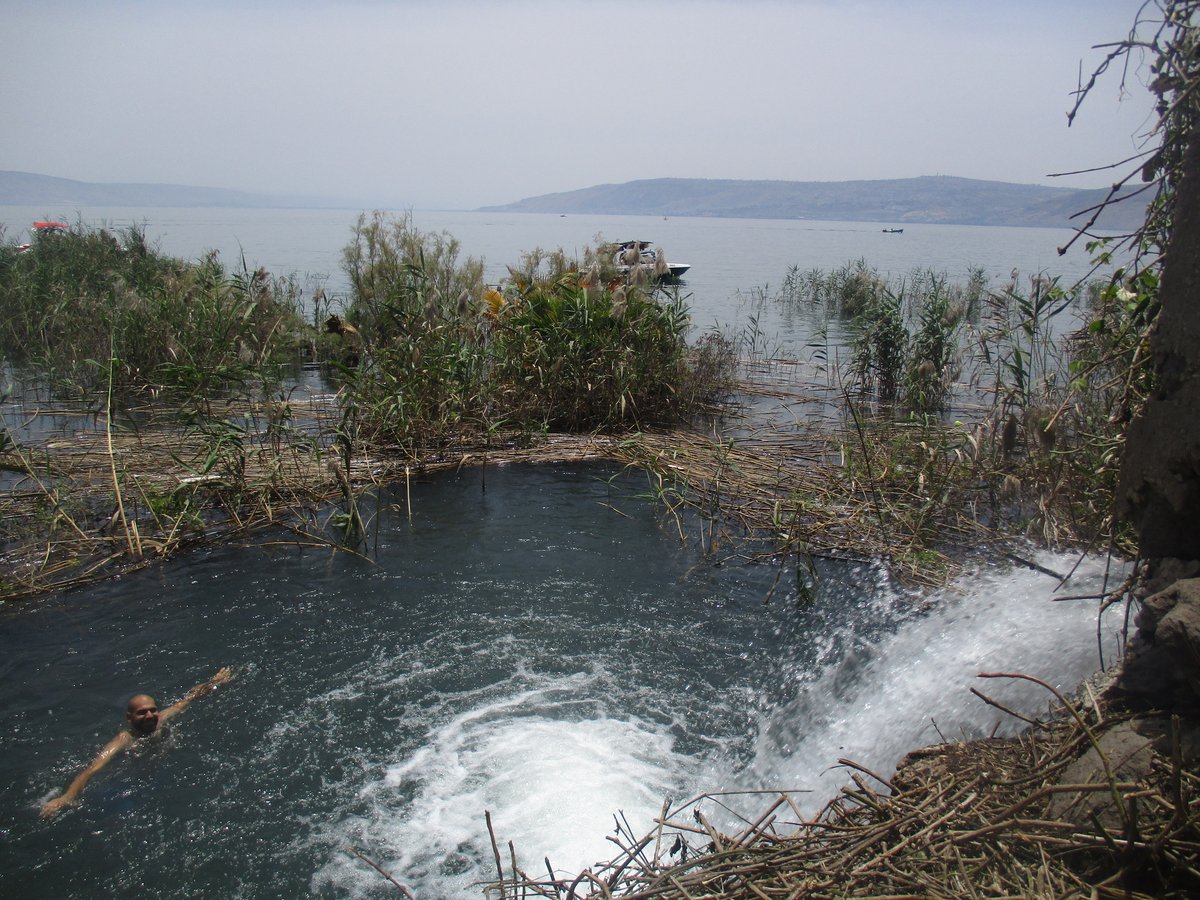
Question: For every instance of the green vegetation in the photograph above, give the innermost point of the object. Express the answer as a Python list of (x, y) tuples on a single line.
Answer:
[(561, 345), (966, 416), (194, 435), (968, 412), (1039, 373), (907, 334), (81, 297)]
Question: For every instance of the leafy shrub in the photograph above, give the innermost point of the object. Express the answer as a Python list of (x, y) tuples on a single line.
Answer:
[(558, 345), (581, 356)]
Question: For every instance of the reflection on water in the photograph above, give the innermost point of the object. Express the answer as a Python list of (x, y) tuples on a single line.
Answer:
[(528, 651)]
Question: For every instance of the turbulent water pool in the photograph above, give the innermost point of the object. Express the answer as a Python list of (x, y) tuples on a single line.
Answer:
[(538, 646)]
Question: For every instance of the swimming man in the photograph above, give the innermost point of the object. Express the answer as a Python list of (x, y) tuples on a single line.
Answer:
[(143, 717)]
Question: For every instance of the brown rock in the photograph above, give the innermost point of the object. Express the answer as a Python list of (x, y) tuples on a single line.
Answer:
[(1130, 758), (1160, 574), (1160, 474), (1161, 668)]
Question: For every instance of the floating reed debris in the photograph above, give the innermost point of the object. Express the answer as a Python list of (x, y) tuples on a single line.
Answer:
[(914, 493)]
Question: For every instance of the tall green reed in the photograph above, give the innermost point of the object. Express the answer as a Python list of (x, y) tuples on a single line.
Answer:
[(561, 343), (77, 299)]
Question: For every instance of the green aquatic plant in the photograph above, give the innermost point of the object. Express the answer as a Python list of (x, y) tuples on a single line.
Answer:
[(560, 344), (578, 356), (933, 349), (414, 331), (844, 292), (880, 347), (77, 298)]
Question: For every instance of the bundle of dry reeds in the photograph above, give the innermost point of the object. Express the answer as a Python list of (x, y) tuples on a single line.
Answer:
[(88, 504)]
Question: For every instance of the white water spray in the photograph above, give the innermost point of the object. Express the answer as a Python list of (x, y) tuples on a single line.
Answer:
[(550, 763), (913, 688), (553, 760)]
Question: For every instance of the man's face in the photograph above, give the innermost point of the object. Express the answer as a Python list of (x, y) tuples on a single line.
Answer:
[(142, 715)]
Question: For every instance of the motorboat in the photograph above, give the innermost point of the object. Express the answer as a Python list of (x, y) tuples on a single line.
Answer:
[(628, 254), (893, 231)]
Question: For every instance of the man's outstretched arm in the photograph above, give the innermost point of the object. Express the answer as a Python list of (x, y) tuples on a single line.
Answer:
[(205, 687), (75, 788), (125, 738)]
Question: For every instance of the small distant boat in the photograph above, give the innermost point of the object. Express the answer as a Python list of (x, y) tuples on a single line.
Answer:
[(893, 231), (630, 253)]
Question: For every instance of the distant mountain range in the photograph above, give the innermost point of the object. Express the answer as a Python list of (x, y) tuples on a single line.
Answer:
[(936, 199), (28, 189)]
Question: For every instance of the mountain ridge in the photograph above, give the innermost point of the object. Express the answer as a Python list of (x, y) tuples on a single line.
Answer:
[(31, 189), (927, 199)]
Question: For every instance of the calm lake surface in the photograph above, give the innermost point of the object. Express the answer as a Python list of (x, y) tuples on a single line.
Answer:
[(730, 258), (540, 645)]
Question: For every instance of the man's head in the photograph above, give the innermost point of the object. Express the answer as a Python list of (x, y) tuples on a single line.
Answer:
[(142, 714)]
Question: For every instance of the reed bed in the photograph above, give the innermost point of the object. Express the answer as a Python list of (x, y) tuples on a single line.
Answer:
[(801, 480), (432, 365), (85, 506), (970, 819), (795, 480)]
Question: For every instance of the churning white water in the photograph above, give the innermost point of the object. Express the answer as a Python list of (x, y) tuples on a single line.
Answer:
[(554, 763), (912, 687), (549, 761)]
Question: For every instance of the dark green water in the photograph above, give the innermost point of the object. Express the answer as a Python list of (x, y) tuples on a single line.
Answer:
[(528, 633), (545, 650)]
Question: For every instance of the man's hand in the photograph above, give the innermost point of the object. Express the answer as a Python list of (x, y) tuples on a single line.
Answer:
[(207, 687), (56, 805)]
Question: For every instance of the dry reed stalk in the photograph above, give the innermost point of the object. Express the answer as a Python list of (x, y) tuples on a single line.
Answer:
[(949, 828), (800, 485), (746, 480)]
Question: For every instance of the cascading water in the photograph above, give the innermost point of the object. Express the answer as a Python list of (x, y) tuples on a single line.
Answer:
[(876, 699), (525, 651)]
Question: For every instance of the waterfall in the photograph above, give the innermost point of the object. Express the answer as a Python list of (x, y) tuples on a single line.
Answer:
[(554, 762)]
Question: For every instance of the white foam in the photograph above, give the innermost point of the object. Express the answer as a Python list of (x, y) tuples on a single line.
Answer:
[(908, 690), (553, 758), (552, 769)]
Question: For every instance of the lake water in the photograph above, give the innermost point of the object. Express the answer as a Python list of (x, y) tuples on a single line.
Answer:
[(544, 650), (730, 258), (541, 646)]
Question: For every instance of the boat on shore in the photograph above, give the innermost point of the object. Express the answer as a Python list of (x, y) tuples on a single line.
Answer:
[(628, 254)]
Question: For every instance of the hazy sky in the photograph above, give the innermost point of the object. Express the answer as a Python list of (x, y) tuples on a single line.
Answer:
[(463, 103)]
